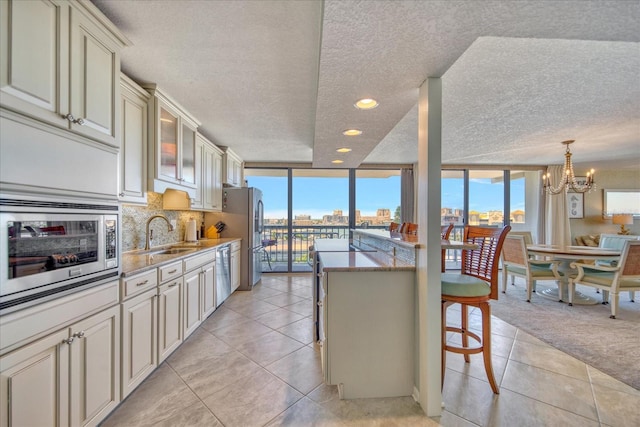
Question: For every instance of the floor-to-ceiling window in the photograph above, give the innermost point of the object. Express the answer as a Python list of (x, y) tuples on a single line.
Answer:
[(320, 209), (490, 198), (486, 198), (302, 205), (377, 197)]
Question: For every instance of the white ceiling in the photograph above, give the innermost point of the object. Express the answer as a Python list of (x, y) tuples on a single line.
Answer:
[(276, 80)]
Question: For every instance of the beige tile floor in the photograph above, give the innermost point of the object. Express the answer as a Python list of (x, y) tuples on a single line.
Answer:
[(252, 363)]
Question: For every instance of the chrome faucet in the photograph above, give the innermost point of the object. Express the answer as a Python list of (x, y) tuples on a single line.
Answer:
[(149, 235)]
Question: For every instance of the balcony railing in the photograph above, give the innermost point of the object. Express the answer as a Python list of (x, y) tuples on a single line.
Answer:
[(276, 242)]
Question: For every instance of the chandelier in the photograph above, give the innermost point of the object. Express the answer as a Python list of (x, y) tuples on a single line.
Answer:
[(569, 181)]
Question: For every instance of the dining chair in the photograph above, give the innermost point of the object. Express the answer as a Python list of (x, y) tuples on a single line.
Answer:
[(517, 262), (393, 227), (410, 228), (402, 227), (623, 276), (474, 286), (445, 232)]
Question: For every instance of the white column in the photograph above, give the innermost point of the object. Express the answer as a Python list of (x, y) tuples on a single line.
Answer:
[(428, 267)]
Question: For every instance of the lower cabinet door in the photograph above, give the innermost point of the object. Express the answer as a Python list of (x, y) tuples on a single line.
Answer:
[(191, 301), (235, 270), (34, 383), (208, 290), (139, 351), (95, 367), (169, 317)]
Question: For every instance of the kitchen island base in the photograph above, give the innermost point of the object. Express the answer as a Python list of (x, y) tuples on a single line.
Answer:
[(368, 325)]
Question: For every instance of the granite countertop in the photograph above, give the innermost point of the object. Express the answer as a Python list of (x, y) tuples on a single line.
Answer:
[(362, 261), (406, 240), (135, 262)]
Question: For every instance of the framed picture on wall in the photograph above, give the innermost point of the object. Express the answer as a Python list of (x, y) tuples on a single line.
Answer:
[(575, 202)]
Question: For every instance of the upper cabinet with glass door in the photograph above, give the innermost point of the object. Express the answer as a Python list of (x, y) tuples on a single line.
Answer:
[(60, 63), (172, 144)]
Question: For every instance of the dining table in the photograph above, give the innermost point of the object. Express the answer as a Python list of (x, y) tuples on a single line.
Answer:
[(567, 254)]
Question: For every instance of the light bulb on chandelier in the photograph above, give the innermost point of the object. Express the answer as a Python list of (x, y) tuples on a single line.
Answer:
[(568, 181)]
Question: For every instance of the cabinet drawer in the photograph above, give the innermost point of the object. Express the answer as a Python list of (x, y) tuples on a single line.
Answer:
[(199, 260), (235, 246), (170, 271), (139, 283)]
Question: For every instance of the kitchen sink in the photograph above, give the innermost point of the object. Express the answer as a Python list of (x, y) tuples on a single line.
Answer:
[(169, 251)]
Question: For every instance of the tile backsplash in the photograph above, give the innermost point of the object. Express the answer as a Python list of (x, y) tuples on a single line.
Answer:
[(134, 222)]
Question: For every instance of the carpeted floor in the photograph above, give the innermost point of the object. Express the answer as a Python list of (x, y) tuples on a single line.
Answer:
[(583, 331)]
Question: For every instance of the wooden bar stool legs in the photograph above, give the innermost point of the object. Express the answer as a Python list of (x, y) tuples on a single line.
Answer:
[(465, 333)]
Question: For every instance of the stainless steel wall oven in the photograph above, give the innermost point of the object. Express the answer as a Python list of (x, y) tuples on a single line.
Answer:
[(49, 249)]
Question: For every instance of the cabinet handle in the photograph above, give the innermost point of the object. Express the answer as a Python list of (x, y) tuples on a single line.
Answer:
[(142, 283), (79, 334), (79, 121), (68, 340), (121, 194), (173, 284), (320, 304), (69, 117), (172, 271)]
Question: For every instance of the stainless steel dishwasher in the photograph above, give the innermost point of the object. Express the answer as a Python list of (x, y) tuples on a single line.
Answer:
[(223, 273)]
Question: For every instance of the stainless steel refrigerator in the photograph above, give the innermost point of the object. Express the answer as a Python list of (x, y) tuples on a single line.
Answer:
[(243, 215)]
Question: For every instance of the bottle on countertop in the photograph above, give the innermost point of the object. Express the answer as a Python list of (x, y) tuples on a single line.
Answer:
[(202, 235)]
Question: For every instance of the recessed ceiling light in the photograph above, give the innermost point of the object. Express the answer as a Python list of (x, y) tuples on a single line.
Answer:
[(337, 161), (352, 132), (343, 150), (366, 104)]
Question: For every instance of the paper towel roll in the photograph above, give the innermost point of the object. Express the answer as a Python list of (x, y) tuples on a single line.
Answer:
[(190, 234)]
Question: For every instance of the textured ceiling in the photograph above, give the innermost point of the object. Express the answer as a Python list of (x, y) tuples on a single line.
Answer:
[(276, 81)]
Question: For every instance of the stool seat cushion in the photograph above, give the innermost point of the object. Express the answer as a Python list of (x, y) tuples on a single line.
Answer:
[(463, 285)]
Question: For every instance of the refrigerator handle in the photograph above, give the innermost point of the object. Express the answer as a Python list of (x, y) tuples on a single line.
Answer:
[(260, 218)]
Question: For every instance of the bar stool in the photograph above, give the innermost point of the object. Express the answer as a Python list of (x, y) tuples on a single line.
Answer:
[(474, 286)]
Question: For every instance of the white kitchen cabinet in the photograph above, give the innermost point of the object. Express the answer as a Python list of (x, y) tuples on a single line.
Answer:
[(69, 377), (172, 145), (191, 302), (208, 176), (133, 151), (234, 269), (199, 290), (233, 173), (94, 367), (139, 334), (60, 63), (169, 317), (36, 374), (208, 290)]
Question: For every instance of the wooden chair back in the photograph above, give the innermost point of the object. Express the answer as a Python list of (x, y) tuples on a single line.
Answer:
[(394, 226), (483, 262), (410, 228), (445, 231)]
